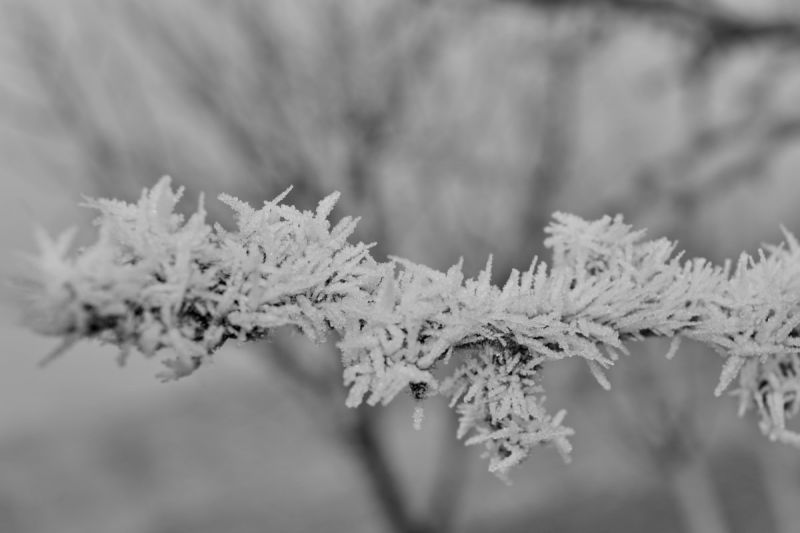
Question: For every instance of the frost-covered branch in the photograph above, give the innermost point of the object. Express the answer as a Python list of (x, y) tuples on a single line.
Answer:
[(162, 285)]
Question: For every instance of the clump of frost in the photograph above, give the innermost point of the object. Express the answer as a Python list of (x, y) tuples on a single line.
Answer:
[(160, 284)]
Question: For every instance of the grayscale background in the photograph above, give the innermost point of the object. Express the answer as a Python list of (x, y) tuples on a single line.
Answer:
[(453, 128)]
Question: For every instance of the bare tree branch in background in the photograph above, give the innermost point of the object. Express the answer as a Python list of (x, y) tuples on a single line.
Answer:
[(69, 109), (713, 26), (561, 108), (266, 143), (716, 156), (374, 79), (714, 32)]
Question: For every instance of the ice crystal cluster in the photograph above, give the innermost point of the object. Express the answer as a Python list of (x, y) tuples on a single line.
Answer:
[(177, 288)]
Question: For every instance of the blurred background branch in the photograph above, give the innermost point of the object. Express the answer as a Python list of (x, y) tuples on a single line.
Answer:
[(714, 26)]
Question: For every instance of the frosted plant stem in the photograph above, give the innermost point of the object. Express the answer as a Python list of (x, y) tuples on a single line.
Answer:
[(178, 290), (694, 493)]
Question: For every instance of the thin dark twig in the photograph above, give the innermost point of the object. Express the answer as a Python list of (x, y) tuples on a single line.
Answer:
[(450, 481), (364, 438), (710, 26)]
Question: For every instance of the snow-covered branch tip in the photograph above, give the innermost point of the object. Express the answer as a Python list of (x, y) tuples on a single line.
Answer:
[(177, 288)]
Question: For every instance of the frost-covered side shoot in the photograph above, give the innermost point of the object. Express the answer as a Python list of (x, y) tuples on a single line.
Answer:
[(179, 289)]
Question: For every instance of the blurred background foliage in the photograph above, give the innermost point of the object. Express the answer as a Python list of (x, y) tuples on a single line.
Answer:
[(453, 128)]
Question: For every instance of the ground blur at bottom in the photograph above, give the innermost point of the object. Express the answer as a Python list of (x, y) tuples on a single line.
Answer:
[(236, 452)]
